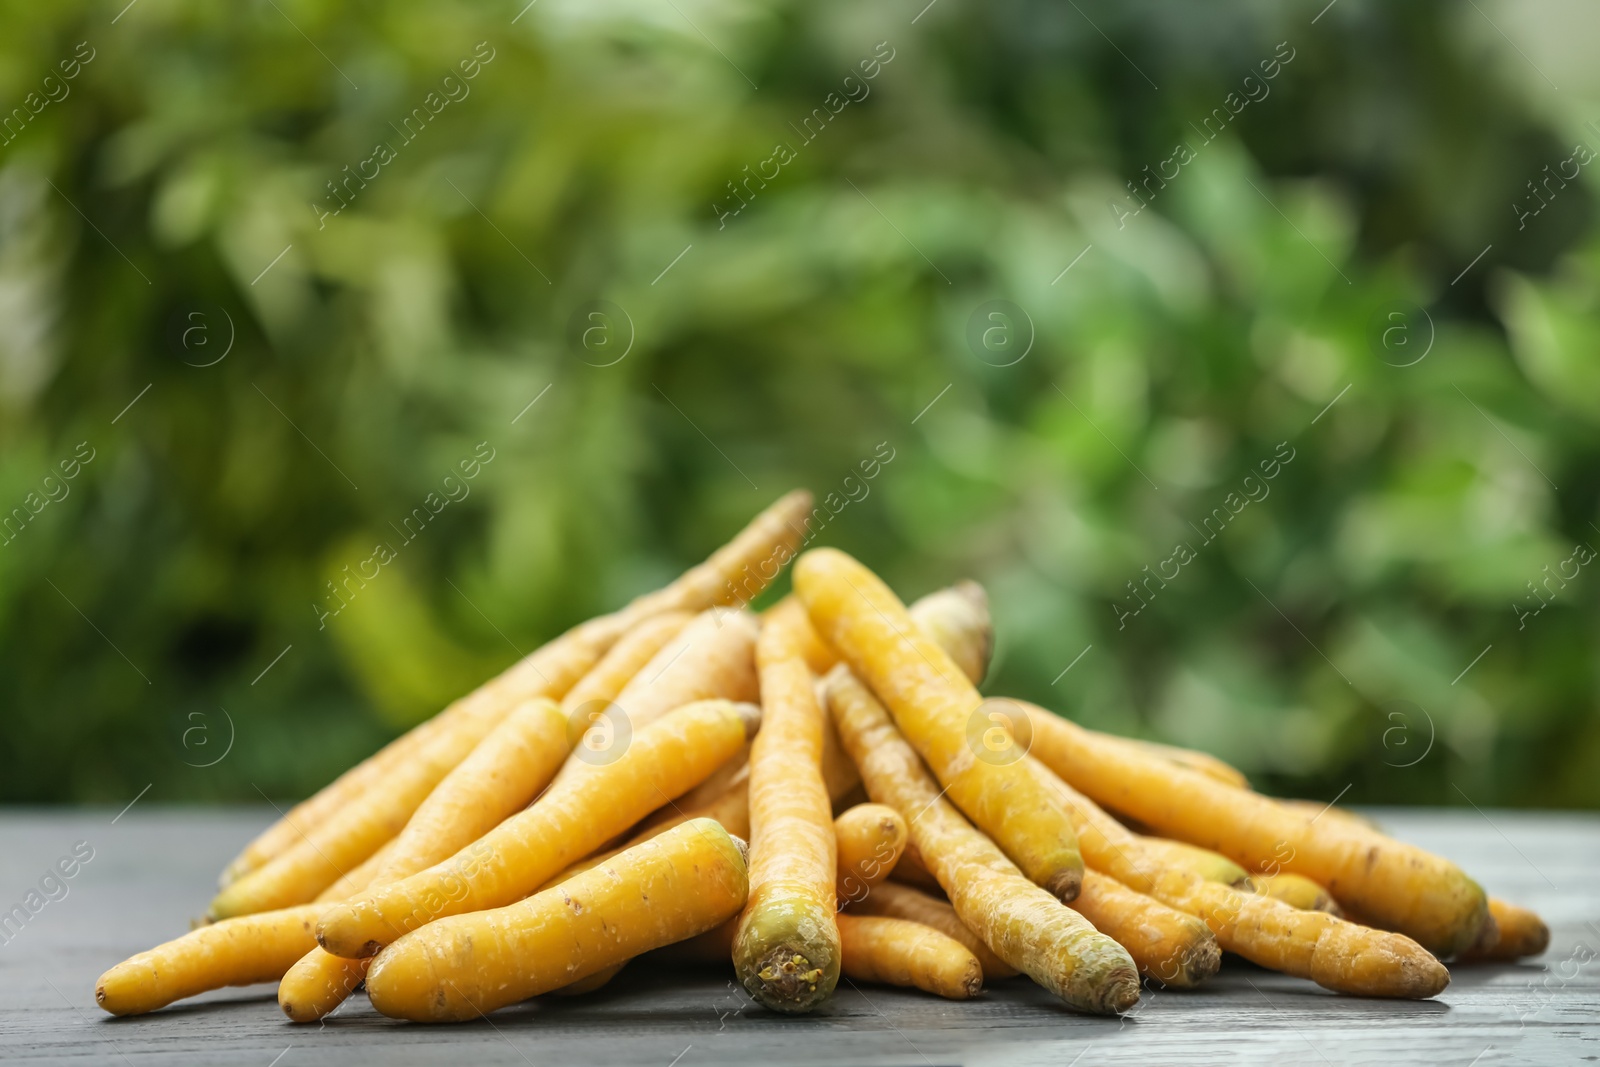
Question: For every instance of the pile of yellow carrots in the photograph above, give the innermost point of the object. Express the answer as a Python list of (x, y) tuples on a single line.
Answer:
[(592, 804)]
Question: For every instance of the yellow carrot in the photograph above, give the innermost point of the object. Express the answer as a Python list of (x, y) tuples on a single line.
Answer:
[(358, 829), (973, 755), (1333, 953), (870, 839), (896, 901), (1212, 866), (786, 950), (912, 871), (1170, 946), (957, 619), (687, 880), (1398, 886), (242, 951), (600, 687), (503, 773), (711, 658), (1516, 932), (904, 953), (1202, 762), (359, 877), (733, 574), (1298, 891), (1024, 925), (664, 760)]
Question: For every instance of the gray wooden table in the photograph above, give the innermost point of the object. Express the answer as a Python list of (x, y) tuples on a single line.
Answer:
[(151, 869)]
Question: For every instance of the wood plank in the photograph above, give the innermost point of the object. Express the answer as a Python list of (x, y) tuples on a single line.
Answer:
[(153, 868)]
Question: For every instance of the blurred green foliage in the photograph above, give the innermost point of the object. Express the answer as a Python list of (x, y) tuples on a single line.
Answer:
[(1279, 288)]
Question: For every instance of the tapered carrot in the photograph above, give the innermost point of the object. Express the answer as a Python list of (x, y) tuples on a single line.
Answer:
[(687, 880), (242, 951), (870, 839), (710, 658), (503, 773), (973, 755), (1212, 866), (1397, 886), (912, 871), (610, 675), (1333, 953), (358, 829), (1517, 932), (904, 953), (1298, 891), (957, 620), (1170, 946), (733, 574), (663, 761), (903, 902), (359, 877), (1194, 760), (786, 950), (1024, 925)]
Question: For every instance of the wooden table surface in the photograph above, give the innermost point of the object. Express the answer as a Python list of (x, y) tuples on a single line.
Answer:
[(152, 868)]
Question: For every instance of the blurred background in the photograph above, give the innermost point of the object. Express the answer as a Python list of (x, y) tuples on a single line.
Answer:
[(1244, 351)]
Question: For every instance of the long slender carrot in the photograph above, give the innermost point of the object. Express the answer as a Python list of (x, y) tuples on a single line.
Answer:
[(664, 760), (711, 658), (1024, 925), (903, 902), (1397, 886), (905, 953), (870, 839), (942, 715), (1212, 866), (1333, 953), (1194, 760), (1298, 891), (614, 670), (503, 773), (242, 951), (786, 950), (687, 880), (1170, 946), (358, 829), (733, 574)]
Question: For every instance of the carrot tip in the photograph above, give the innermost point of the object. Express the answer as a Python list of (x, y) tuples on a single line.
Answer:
[(751, 715), (1064, 885)]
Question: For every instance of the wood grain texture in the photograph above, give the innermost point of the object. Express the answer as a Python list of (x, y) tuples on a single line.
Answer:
[(154, 868)]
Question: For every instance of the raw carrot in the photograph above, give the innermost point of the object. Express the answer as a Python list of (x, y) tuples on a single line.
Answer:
[(897, 901), (1212, 866), (516, 857), (870, 839), (904, 953), (1517, 932), (1194, 760), (912, 871), (614, 670), (943, 716), (358, 829), (502, 774), (710, 658), (359, 877), (1333, 953), (1170, 946), (786, 950), (957, 620), (242, 951), (1298, 891), (1023, 924), (726, 577), (1398, 886), (685, 881)]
